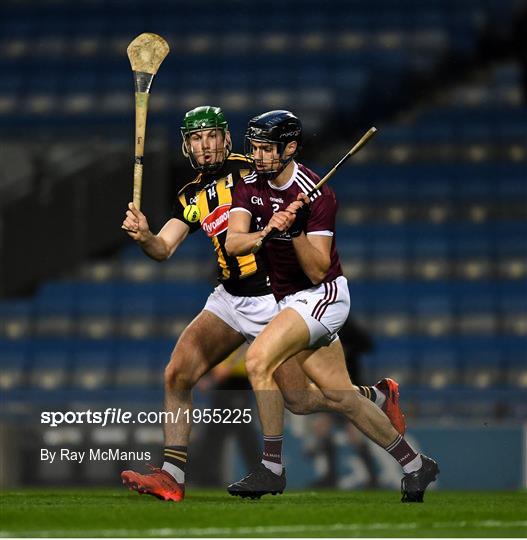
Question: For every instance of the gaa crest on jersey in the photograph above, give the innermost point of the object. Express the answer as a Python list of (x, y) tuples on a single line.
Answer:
[(217, 221)]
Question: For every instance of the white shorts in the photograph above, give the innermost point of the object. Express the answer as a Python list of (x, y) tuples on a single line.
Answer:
[(324, 308), (247, 315)]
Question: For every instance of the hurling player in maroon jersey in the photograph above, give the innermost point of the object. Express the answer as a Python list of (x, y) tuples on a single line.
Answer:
[(307, 281)]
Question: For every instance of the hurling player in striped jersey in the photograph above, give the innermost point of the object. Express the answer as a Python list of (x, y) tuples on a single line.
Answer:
[(235, 312), (311, 291)]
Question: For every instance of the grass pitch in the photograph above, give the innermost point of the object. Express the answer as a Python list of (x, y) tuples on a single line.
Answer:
[(207, 513)]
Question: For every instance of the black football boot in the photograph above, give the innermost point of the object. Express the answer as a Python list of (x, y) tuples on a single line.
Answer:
[(414, 484), (259, 482)]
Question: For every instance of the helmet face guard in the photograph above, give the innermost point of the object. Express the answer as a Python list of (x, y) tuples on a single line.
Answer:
[(274, 127), (201, 120), (278, 165)]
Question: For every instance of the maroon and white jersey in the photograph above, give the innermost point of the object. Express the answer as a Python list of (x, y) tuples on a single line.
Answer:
[(261, 199)]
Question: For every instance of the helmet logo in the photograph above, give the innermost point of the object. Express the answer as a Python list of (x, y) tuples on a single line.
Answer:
[(290, 133)]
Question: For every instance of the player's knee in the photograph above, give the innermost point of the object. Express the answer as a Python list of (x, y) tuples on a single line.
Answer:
[(297, 404), (179, 376), (256, 364), (296, 400), (172, 376)]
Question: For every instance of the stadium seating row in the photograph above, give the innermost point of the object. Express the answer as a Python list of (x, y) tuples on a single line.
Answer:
[(178, 17), (150, 309), (77, 67), (180, 298), (50, 364), (361, 262)]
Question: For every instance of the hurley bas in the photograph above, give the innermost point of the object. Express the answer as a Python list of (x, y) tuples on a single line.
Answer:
[(110, 454)]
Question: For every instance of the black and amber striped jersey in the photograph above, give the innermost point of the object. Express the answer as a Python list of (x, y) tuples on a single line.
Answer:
[(212, 194)]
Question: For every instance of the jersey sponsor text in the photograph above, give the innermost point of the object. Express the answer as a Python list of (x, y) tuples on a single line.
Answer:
[(217, 221)]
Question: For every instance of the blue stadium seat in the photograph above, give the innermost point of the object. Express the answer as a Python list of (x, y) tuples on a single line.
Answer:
[(430, 243), (515, 353), (391, 358), (136, 363), (512, 297), (437, 362), (431, 184), (16, 317), (482, 362), (474, 183), (14, 359), (50, 364), (183, 298), (96, 299), (355, 187), (56, 299), (433, 313), (92, 364), (97, 309), (138, 299), (474, 244), (389, 244), (475, 297), (511, 182), (432, 301)]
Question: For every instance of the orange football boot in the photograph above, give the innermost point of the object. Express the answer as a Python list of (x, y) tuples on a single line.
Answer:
[(158, 483), (391, 407)]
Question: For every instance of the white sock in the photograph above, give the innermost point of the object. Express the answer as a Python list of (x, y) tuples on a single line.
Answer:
[(380, 399), (177, 474), (273, 467), (413, 465)]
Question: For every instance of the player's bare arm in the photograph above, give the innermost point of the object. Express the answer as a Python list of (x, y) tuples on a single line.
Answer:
[(159, 246), (313, 253), (239, 240)]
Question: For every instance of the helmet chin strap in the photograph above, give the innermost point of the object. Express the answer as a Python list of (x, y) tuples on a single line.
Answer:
[(285, 162)]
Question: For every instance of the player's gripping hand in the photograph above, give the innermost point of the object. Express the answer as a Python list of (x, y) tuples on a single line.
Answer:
[(136, 224), (300, 208), (281, 221), (301, 200)]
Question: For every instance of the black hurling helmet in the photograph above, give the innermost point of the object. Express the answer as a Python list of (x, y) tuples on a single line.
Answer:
[(278, 127)]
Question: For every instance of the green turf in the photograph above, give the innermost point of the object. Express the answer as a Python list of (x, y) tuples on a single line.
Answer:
[(85, 512)]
